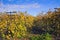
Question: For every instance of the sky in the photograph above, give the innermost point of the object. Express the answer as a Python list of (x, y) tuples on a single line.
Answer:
[(32, 7)]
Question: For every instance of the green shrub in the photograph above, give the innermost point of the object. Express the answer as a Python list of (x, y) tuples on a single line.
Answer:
[(46, 36)]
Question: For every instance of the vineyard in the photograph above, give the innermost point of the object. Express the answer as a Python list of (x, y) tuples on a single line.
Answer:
[(23, 26)]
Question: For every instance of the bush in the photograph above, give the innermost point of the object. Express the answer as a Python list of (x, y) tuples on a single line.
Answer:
[(46, 36)]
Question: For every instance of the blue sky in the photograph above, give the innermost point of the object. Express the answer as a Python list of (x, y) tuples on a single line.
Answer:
[(33, 7)]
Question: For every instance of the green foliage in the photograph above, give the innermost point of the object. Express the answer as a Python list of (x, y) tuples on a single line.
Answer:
[(49, 22), (13, 26), (18, 25), (48, 37), (41, 37)]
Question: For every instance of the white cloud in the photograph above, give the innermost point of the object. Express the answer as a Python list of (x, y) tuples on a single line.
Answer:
[(35, 5), (18, 7)]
